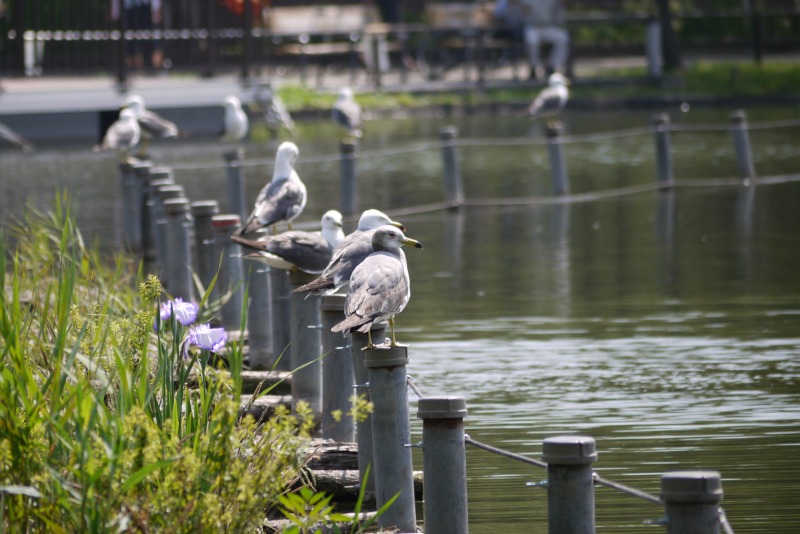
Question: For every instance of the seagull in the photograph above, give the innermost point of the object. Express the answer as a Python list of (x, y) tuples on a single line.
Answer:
[(347, 113), (234, 123), (282, 199), (275, 113), (307, 251), (123, 134), (552, 99), (15, 139), (379, 287), (350, 252), (153, 125)]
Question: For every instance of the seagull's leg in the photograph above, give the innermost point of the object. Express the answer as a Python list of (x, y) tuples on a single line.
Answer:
[(369, 341), (144, 146), (391, 325)]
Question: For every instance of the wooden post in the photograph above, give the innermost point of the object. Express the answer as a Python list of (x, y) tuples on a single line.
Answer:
[(661, 128), (570, 484), (161, 229), (235, 177), (741, 143), (179, 264), (453, 192), (337, 373), (558, 167), (349, 189), (231, 276), (281, 318), (306, 346), (203, 211), (259, 315), (691, 500)]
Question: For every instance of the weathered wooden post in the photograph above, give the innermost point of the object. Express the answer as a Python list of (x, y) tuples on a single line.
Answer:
[(306, 346), (337, 373), (358, 342), (348, 187), (207, 264), (128, 226), (158, 176), (391, 436), (570, 484), (661, 128), (161, 228), (691, 500), (279, 290), (259, 324), (235, 177), (652, 45), (141, 173), (741, 143), (179, 258), (444, 464), (231, 277), (153, 213), (558, 167), (453, 192)]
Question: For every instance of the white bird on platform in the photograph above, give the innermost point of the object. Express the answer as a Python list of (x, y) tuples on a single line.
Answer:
[(275, 113), (551, 100), (380, 286), (15, 139), (347, 113), (307, 251), (282, 199), (152, 125), (234, 122), (349, 254), (123, 134)]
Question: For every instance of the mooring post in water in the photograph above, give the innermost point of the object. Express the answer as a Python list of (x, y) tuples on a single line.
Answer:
[(652, 43), (691, 501), (741, 143), (158, 176), (279, 294), (444, 464), (306, 345), (558, 167), (179, 263), (348, 188), (141, 173), (453, 192), (126, 177), (202, 212), (337, 373), (235, 177), (570, 484), (161, 229), (231, 277), (358, 342), (391, 436), (259, 324), (661, 127)]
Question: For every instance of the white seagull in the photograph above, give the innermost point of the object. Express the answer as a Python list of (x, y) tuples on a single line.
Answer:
[(152, 125), (123, 134), (552, 99), (380, 286), (349, 254), (275, 113), (347, 113), (234, 122), (307, 251), (282, 199)]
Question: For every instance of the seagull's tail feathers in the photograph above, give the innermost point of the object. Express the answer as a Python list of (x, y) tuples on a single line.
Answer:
[(354, 322), (320, 284)]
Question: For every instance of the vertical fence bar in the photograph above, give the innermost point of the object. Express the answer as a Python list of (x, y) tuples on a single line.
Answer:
[(337, 373), (348, 187), (203, 211), (235, 179), (259, 314), (281, 313), (391, 435), (558, 167), (661, 127), (570, 484), (306, 346), (444, 464), (179, 264), (231, 278), (691, 500), (453, 192), (741, 143), (364, 440)]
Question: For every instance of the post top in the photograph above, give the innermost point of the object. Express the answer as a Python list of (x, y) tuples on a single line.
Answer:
[(205, 207), (226, 220), (448, 132), (176, 205), (142, 164), (660, 118), (442, 408), (691, 487), (160, 182), (569, 450), (170, 191), (553, 131), (235, 154), (333, 302), (384, 356), (738, 115), (157, 173)]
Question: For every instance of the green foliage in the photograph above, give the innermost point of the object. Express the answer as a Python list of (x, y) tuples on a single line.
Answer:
[(99, 427)]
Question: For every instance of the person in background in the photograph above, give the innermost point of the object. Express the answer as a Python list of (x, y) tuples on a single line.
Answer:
[(141, 15), (543, 21)]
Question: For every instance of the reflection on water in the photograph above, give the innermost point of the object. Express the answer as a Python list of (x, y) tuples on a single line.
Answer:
[(666, 325)]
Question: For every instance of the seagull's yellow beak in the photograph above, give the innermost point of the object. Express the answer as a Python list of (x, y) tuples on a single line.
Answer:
[(398, 225), (412, 242)]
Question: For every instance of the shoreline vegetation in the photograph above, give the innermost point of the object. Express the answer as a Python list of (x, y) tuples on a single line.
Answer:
[(102, 426)]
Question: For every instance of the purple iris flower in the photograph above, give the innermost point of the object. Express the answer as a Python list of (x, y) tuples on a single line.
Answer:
[(206, 338), (185, 312)]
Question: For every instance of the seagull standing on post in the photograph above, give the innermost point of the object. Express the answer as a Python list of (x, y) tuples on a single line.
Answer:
[(282, 199), (275, 113), (552, 99), (122, 135), (347, 113), (380, 286), (234, 122), (152, 125)]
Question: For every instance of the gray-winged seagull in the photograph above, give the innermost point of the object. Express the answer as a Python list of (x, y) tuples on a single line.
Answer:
[(552, 99), (234, 121), (347, 113), (123, 134), (153, 125)]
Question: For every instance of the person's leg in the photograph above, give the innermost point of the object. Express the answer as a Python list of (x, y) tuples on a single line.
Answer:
[(559, 40), (533, 41)]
